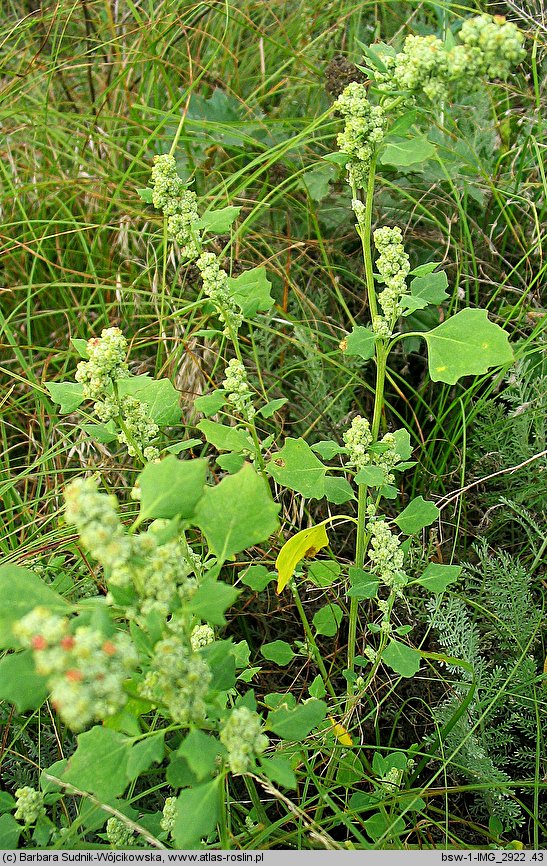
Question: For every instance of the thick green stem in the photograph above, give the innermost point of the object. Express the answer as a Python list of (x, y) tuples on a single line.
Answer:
[(249, 424), (359, 561), (224, 833), (362, 539), (163, 298), (364, 231), (381, 363), (311, 641)]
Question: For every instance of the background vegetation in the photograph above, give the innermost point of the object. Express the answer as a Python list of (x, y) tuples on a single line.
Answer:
[(89, 92)]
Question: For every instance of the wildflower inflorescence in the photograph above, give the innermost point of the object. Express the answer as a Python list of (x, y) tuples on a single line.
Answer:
[(169, 815), (30, 805), (363, 131), (489, 47), (179, 204), (118, 834), (160, 573), (85, 671), (394, 266), (358, 439), (239, 393), (106, 363), (387, 456), (242, 735), (494, 45), (202, 635), (178, 679), (426, 66), (99, 376), (422, 65), (215, 286), (361, 451), (386, 555)]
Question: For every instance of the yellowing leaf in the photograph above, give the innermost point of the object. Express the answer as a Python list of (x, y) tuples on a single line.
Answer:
[(340, 732), (307, 542)]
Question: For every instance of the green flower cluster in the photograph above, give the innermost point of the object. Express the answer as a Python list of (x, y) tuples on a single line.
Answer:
[(179, 204), (361, 451), (386, 555), (242, 735), (490, 47), (159, 572), (85, 671), (387, 456), (178, 679), (363, 131), (358, 439), (239, 393), (167, 822), (106, 363), (394, 266), (202, 635), (30, 805), (390, 782), (119, 835), (215, 286), (98, 376), (422, 65), (139, 429), (494, 45)]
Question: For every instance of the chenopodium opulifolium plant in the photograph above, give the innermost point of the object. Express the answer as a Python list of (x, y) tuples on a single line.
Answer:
[(466, 343), (145, 659), (130, 409)]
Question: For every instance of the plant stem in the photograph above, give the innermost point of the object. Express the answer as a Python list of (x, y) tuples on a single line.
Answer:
[(250, 425), (381, 364), (359, 561), (311, 641), (365, 233), (162, 341), (223, 813)]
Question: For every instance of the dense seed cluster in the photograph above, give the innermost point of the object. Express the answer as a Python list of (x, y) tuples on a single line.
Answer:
[(167, 822), (85, 671), (358, 442), (489, 47), (159, 572), (358, 439), (386, 555), (30, 805), (393, 266), (363, 132), (387, 456), (422, 65), (215, 286), (106, 363), (179, 204), (240, 396), (139, 429), (202, 635), (494, 45), (178, 679), (119, 835), (242, 735), (99, 375)]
